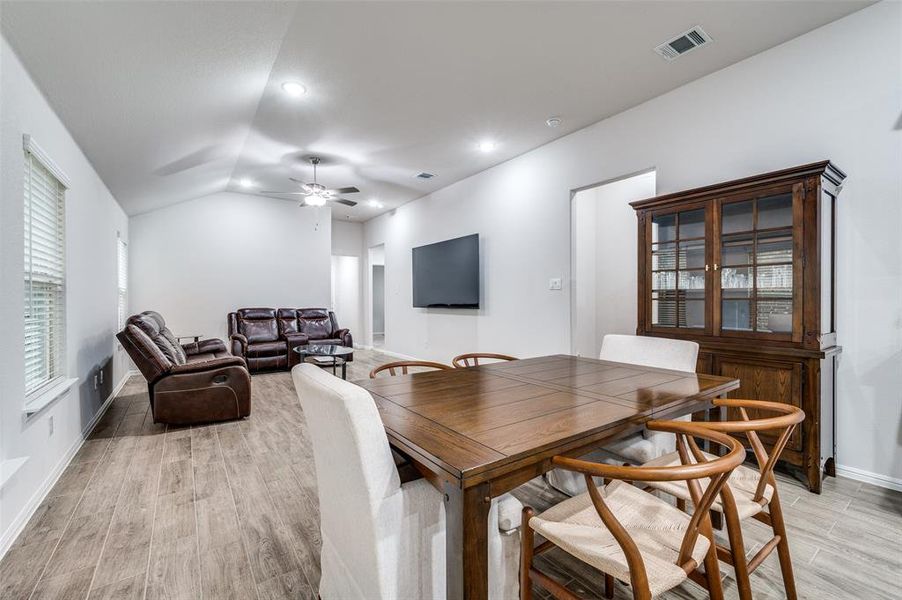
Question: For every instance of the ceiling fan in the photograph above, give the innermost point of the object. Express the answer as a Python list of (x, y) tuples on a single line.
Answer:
[(316, 194)]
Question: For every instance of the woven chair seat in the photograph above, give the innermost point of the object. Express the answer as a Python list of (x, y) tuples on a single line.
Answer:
[(655, 526), (743, 482)]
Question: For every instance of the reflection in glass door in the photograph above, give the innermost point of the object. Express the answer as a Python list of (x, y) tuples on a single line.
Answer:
[(756, 274), (678, 269)]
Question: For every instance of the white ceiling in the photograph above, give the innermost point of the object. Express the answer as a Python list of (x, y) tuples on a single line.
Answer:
[(174, 100)]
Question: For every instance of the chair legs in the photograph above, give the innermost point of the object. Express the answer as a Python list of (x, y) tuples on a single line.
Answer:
[(712, 566), (737, 551), (779, 528), (527, 541)]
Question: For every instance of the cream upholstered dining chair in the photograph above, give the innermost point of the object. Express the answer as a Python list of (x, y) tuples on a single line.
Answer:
[(750, 493), (661, 353), (630, 534), (382, 539)]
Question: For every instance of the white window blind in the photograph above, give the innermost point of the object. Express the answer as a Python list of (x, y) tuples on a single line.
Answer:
[(122, 257), (45, 275)]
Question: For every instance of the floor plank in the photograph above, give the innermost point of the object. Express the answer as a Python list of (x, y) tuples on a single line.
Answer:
[(230, 510)]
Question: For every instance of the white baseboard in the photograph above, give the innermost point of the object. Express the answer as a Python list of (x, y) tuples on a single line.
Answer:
[(877, 479), (10, 535)]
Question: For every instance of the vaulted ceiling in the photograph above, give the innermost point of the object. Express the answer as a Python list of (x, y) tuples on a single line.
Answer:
[(175, 100)]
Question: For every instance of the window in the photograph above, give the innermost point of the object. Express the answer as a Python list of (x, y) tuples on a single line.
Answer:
[(122, 257), (45, 270)]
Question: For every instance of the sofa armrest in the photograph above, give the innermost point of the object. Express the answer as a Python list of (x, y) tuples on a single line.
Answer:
[(207, 365), (345, 336), (239, 344), (296, 339), (211, 346)]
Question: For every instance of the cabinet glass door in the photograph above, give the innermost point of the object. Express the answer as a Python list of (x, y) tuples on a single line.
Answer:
[(678, 269), (756, 270)]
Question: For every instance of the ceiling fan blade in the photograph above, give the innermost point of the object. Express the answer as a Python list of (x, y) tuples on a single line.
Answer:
[(298, 181), (285, 193), (345, 190), (345, 202)]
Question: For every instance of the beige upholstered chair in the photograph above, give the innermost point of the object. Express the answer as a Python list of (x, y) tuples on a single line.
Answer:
[(750, 493), (639, 448), (630, 534), (381, 539)]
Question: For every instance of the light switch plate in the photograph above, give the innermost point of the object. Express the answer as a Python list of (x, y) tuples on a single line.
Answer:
[(555, 283)]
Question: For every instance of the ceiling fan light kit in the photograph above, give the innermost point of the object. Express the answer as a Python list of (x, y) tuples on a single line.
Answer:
[(316, 194)]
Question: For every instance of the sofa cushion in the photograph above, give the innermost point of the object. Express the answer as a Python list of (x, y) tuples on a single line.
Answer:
[(316, 323), (288, 321), (258, 324), (267, 349), (153, 325)]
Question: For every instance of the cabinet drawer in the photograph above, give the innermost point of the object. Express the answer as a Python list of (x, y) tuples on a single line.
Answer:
[(761, 379)]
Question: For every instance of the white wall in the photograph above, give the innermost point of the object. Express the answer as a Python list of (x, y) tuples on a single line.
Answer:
[(347, 286), (196, 261), (93, 218), (833, 93), (604, 260)]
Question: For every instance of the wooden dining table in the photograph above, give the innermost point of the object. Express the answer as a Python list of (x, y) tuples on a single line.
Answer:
[(478, 432)]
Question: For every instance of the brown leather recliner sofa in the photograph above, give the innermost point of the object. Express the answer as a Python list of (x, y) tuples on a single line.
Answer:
[(191, 383), (264, 337)]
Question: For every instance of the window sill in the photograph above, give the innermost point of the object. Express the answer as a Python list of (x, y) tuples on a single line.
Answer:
[(46, 396)]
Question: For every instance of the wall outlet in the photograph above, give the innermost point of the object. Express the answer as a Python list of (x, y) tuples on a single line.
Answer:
[(555, 283), (50, 425)]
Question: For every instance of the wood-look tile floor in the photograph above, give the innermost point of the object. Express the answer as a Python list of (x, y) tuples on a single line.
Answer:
[(230, 511)]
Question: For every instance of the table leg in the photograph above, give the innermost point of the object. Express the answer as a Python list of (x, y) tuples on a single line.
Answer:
[(344, 369), (466, 541)]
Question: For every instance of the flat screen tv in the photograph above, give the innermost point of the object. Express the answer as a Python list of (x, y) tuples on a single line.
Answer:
[(446, 274)]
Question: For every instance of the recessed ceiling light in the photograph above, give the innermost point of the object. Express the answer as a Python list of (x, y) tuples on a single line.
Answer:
[(295, 89), (375, 203), (487, 146), (553, 122), (245, 183)]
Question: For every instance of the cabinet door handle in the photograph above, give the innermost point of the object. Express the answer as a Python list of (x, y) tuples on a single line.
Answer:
[(715, 266), (706, 268)]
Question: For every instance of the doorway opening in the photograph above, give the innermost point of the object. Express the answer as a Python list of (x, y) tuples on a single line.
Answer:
[(603, 237), (377, 294)]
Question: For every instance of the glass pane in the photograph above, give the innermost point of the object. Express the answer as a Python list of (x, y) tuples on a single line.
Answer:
[(737, 250), (663, 280), (732, 278), (692, 280), (736, 216), (775, 211), (663, 228), (775, 315), (774, 280), (663, 310), (692, 224), (736, 315), (692, 314), (775, 247), (663, 256), (692, 255)]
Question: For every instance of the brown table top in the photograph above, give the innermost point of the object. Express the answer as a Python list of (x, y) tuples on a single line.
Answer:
[(469, 422)]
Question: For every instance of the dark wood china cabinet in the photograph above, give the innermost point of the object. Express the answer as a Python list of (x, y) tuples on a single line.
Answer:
[(746, 269)]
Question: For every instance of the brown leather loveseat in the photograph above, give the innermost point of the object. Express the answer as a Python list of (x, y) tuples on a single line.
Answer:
[(264, 337), (191, 383)]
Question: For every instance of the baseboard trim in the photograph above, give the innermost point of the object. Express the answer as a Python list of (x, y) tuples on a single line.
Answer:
[(10, 535), (877, 479)]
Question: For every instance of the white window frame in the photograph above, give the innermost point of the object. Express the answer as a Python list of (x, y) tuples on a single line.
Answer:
[(55, 382)]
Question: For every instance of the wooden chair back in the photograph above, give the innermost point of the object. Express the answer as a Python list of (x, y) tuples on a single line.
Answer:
[(462, 361), (787, 418), (716, 471), (400, 367)]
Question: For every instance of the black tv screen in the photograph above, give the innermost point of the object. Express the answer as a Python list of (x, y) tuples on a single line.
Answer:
[(446, 274)]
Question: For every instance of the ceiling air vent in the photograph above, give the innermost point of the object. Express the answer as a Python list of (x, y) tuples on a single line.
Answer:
[(425, 175), (683, 43)]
